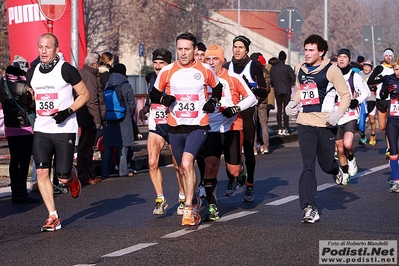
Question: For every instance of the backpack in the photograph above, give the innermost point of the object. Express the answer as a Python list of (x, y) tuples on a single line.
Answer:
[(114, 103)]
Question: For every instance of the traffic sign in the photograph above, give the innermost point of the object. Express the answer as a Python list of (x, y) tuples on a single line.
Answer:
[(141, 49), (52, 9), (290, 19)]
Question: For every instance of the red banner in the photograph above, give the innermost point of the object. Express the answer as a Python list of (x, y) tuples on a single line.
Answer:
[(26, 24)]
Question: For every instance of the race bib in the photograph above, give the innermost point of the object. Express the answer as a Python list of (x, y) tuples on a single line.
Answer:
[(309, 94), (187, 105), (45, 103), (349, 112), (159, 113), (394, 109)]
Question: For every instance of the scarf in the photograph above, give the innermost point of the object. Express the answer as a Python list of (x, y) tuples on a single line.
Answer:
[(240, 62), (51, 64), (346, 69)]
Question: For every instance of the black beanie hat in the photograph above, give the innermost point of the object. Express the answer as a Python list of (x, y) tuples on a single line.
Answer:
[(201, 47), (244, 40), (360, 59), (282, 56), (345, 51), (162, 54), (120, 68)]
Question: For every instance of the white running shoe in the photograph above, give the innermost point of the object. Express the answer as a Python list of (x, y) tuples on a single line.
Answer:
[(352, 167), (395, 187), (311, 215)]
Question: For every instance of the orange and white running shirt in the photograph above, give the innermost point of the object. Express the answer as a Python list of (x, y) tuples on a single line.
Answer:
[(52, 94), (189, 85), (234, 89)]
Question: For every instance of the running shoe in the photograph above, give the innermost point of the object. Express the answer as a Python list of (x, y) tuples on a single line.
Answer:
[(339, 177), (311, 215), (395, 187), (387, 153), (255, 152), (352, 167), (231, 189), (249, 194), (52, 223), (264, 150), (160, 206), (372, 141), (363, 140), (213, 213), (34, 187), (180, 208), (285, 132), (345, 179), (280, 132), (60, 188), (74, 185), (202, 192), (191, 216), (241, 179)]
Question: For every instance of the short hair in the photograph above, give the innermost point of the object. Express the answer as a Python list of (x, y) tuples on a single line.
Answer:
[(322, 44), (272, 61), (106, 57), (188, 36), (395, 63), (49, 35), (91, 59)]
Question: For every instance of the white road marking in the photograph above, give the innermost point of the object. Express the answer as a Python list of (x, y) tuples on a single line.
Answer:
[(327, 185), (185, 231), (129, 250), (236, 215)]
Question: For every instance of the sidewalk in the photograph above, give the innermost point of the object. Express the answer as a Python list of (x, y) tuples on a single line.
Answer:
[(140, 159)]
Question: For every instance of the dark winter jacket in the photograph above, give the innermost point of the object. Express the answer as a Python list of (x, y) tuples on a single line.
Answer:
[(120, 133), (282, 78), (16, 82), (93, 112)]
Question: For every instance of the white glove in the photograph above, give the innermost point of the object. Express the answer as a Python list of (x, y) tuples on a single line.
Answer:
[(333, 118), (291, 109)]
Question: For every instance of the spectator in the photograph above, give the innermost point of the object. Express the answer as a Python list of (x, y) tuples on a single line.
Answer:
[(283, 78), (105, 69), (17, 102), (119, 133), (90, 118)]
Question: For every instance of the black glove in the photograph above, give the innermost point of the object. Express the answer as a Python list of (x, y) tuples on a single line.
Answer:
[(248, 84), (26, 99), (354, 103), (231, 111), (167, 100), (62, 115), (143, 111), (209, 106), (373, 87)]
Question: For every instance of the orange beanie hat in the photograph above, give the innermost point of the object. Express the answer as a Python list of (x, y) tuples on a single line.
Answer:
[(215, 50)]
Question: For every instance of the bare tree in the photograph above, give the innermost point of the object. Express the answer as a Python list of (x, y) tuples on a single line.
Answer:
[(4, 49)]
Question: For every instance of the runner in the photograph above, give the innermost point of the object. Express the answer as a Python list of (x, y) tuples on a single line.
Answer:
[(183, 82), (226, 126)]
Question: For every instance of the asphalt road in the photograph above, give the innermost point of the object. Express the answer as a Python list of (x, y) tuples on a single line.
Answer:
[(112, 223)]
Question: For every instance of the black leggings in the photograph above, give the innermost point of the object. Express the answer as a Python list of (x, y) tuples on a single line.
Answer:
[(20, 154), (249, 124)]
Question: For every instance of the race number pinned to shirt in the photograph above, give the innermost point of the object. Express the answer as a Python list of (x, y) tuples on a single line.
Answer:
[(394, 109), (309, 94), (158, 111), (45, 103), (187, 105), (349, 112)]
